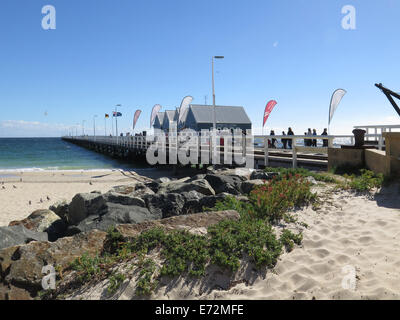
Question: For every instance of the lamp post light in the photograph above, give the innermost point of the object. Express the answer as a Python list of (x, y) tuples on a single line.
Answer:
[(214, 115), (116, 118)]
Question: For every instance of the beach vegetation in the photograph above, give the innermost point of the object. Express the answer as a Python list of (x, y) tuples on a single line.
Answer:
[(326, 177), (226, 244)]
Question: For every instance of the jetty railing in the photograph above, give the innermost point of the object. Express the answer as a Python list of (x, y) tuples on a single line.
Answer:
[(261, 146), (378, 132)]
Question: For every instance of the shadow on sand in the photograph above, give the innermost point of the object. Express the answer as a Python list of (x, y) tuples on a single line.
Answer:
[(389, 196)]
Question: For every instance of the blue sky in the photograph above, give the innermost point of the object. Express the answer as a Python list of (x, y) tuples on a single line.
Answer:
[(139, 53)]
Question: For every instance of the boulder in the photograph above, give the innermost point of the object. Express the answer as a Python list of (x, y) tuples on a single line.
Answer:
[(134, 190), (173, 204), (224, 183), (60, 208), (44, 221), (115, 214), (84, 205), (39, 220), (124, 199), (262, 175), (18, 234), (162, 180), (202, 186), (21, 266), (248, 186)]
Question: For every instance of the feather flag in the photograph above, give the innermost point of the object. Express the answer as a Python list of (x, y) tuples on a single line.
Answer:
[(136, 117), (268, 109), (335, 100), (154, 112), (183, 110)]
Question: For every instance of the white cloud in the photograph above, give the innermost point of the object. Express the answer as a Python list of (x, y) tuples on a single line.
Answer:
[(275, 44), (22, 128)]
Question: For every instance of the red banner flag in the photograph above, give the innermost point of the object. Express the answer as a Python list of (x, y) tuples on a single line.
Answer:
[(268, 109), (136, 117)]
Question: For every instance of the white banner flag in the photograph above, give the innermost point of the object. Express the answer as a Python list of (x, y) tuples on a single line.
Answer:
[(335, 100), (154, 112), (186, 101)]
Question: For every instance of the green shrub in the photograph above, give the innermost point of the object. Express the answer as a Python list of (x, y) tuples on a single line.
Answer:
[(366, 181), (286, 172), (288, 239), (271, 201), (116, 279)]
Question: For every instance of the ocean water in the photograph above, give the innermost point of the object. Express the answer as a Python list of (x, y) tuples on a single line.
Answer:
[(31, 154)]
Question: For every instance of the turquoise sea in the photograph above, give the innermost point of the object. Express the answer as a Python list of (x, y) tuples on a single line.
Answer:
[(51, 154)]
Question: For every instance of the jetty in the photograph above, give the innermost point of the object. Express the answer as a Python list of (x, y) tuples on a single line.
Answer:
[(134, 148)]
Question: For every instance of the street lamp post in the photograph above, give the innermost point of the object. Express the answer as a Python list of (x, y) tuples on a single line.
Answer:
[(214, 115), (116, 119)]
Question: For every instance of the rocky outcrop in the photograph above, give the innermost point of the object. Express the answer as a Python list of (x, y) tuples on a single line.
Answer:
[(114, 214), (262, 175), (201, 186), (43, 221), (84, 205), (225, 183), (248, 186), (18, 234), (21, 266)]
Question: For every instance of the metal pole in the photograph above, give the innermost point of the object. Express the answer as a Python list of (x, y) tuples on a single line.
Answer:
[(213, 136), (83, 127), (105, 126)]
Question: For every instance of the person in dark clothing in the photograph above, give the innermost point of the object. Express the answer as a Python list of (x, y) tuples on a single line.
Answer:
[(273, 141), (324, 141), (305, 140), (309, 141), (284, 141), (314, 141), (290, 141)]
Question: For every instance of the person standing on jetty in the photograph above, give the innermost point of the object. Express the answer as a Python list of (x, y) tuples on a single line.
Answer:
[(314, 141), (273, 141), (325, 141), (290, 133), (309, 141), (284, 141)]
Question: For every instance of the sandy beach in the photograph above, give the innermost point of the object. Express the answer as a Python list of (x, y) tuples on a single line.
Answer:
[(21, 193)]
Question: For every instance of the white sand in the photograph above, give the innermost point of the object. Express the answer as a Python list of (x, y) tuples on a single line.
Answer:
[(57, 185), (348, 233)]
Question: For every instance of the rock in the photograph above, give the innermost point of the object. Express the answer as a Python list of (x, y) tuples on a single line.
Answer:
[(115, 214), (16, 235), (311, 180), (84, 205), (243, 173), (39, 220), (123, 199), (21, 266), (248, 186), (173, 204), (224, 183), (134, 190), (262, 175), (163, 180), (44, 221), (189, 222), (60, 208), (202, 186)]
